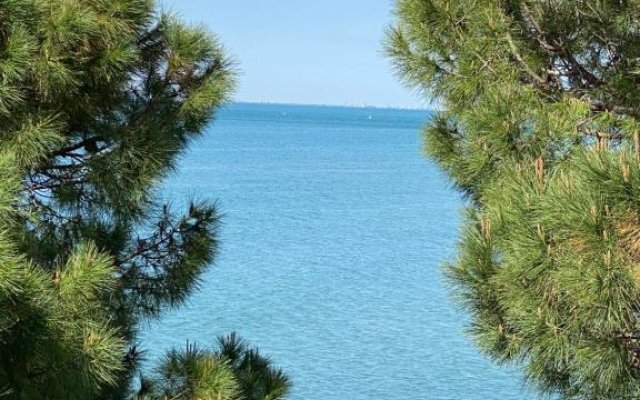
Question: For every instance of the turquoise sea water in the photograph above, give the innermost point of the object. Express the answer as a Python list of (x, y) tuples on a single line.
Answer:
[(334, 232)]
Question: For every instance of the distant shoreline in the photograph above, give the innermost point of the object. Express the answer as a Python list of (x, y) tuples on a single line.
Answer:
[(352, 106)]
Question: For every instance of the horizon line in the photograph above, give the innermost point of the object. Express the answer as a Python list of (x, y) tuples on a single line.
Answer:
[(346, 105)]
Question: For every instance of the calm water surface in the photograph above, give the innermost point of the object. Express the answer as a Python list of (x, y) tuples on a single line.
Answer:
[(334, 232)]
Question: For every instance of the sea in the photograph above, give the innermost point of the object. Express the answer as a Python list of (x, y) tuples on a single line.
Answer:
[(334, 233)]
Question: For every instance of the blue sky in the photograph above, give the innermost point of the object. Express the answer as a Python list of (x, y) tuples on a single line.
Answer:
[(305, 51)]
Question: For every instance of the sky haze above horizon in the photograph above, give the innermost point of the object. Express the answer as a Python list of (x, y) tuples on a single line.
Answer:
[(308, 52)]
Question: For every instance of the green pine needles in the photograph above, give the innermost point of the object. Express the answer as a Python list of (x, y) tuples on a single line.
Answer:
[(98, 99), (540, 131)]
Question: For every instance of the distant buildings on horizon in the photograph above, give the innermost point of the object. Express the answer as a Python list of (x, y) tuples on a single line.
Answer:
[(435, 105)]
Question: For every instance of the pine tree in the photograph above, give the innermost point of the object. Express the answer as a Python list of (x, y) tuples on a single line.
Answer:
[(539, 130), (98, 99), (234, 371)]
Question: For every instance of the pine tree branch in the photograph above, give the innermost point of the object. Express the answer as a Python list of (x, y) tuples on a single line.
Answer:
[(598, 106), (557, 48), (567, 57), (88, 142), (535, 28), (516, 54), (584, 73)]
